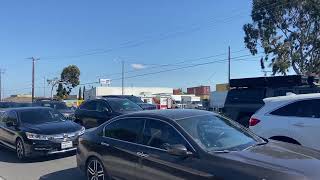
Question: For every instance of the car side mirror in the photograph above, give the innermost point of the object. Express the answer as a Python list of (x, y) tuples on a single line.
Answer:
[(179, 150)]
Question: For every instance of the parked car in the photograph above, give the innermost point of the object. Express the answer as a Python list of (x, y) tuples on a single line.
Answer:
[(95, 112), (37, 131), (59, 106), (135, 99), (292, 118), (4, 105), (188, 144), (246, 95)]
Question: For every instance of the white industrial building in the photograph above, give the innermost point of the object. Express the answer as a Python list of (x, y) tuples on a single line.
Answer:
[(136, 91)]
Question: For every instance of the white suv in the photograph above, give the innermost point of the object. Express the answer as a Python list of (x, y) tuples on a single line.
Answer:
[(293, 118)]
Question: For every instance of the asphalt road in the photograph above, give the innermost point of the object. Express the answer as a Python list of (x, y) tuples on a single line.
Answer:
[(57, 167)]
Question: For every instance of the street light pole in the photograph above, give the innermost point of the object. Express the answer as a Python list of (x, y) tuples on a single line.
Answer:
[(33, 72), (1, 72), (122, 77)]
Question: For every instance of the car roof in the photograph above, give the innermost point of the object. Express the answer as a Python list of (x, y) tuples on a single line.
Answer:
[(292, 97), (173, 114)]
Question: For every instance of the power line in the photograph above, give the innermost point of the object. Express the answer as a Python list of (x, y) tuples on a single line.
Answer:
[(174, 69), (154, 66), (130, 44)]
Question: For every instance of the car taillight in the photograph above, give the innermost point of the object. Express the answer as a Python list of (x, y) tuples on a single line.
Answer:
[(253, 121)]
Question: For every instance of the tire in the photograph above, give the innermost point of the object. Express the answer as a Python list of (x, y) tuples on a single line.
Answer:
[(95, 170), (20, 151)]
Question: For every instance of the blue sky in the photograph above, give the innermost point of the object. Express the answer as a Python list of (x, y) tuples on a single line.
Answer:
[(146, 32)]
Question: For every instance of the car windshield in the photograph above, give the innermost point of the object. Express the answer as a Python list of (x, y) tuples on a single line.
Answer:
[(134, 99), (39, 116), (215, 133), (120, 105)]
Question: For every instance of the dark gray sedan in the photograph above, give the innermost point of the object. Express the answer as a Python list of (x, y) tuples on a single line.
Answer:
[(188, 144)]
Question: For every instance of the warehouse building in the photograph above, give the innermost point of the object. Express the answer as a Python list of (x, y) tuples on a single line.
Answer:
[(97, 92)]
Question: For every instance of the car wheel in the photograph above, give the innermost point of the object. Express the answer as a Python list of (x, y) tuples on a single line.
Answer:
[(20, 152), (95, 170)]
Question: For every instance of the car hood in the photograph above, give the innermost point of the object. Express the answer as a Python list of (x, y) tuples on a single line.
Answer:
[(277, 158), (147, 106), (51, 128)]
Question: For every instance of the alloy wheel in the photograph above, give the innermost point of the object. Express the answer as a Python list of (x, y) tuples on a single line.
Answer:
[(95, 170), (20, 149)]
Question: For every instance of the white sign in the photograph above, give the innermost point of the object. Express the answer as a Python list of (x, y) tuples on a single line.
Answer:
[(105, 82)]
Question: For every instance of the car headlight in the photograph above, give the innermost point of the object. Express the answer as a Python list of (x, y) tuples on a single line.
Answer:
[(33, 136), (83, 129)]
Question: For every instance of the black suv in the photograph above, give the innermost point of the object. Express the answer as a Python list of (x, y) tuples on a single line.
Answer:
[(137, 100), (246, 95), (92, 113), (34, 131)]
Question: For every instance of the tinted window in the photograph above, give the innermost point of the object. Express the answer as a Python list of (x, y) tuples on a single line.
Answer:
[(161, 135), (3, 117), (306, 108), (57, 106), (246, 95), (134, 99), (12, 117), (215, 133), (38, 116), (91, 105), (126, 129), (119, 105), (102, 106)]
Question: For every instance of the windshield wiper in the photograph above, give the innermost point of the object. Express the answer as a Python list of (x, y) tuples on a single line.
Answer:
[(222, 151)]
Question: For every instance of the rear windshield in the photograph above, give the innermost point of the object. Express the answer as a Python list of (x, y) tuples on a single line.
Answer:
[(246, 95), (58, 106), (39, 116), (120, 105), (134, 99)]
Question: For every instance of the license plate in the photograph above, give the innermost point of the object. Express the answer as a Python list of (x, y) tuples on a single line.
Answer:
[(67, 144)]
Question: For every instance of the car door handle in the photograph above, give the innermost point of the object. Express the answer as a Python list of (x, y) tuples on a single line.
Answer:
[(141, 154), (105, 144)]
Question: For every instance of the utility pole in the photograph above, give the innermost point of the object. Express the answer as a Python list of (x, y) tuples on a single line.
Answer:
[(122, 62), (44, 86), (33, 72), (229, 62), (1, 72)]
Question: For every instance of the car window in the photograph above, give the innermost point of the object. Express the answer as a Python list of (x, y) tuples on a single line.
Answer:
[(91, 105), (39, 116), (120, 105), (134, 99), (159, 134), (304, 108), (102, 106), (216, 133), (3, 116), (125, 129), (12, 117)]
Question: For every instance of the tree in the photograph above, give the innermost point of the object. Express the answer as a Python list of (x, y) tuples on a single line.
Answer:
[(80, 94), (61, 92), (288, 31), (70, 78)]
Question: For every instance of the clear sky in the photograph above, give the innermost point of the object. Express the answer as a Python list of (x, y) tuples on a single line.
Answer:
[(97, 35)]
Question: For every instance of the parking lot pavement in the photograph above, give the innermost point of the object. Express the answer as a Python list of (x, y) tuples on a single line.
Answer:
[(58, 167)]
